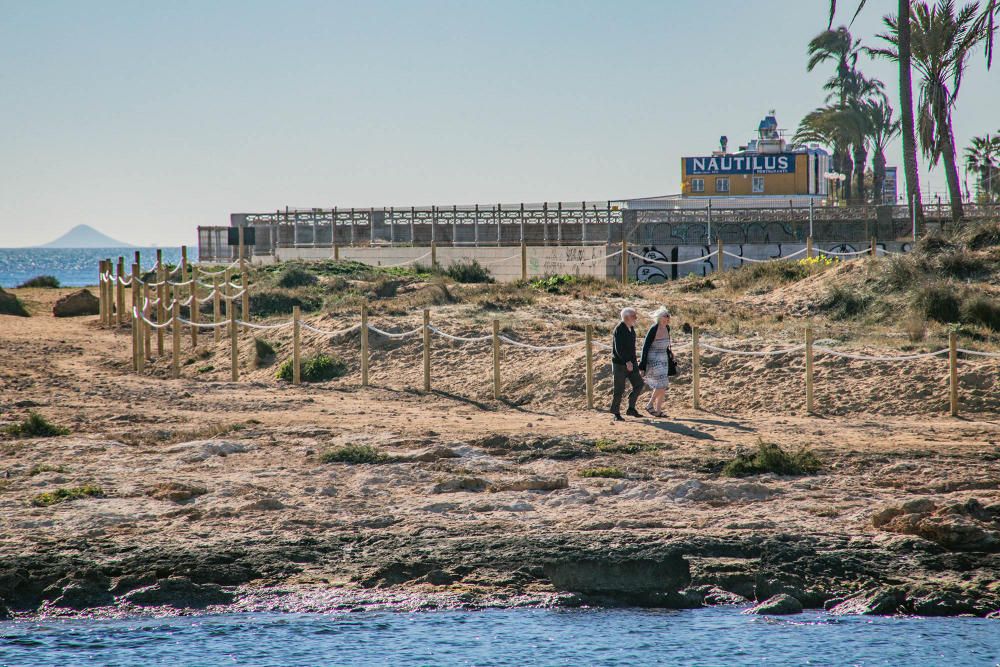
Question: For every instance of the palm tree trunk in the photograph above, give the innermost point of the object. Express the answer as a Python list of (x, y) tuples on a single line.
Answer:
[(906, 112), (847, 168), (860, 160), (878, 169), (950, 166)]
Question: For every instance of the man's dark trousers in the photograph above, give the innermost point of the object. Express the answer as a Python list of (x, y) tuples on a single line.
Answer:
[(621, 376)]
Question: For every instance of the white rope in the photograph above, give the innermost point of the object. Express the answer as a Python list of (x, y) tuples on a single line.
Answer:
[(211, 295), (865, 357), (842, 254), (750, 353), (387, 334), (183, 284), (462, 339), (145, 319), (342, 332), (203, 325), (750, 259), (538, 347), (203, 272), (978, 353), (888, 252), (266, 326), (499, 261), (409, 261), (658, 261), (233, 296)]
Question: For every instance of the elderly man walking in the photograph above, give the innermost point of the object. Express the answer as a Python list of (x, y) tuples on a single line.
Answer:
[(625, 365)]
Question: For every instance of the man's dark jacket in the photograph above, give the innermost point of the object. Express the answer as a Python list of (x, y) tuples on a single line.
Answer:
[(623, 345)]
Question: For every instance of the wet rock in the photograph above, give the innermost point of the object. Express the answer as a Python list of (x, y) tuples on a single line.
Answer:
[(716, 597), (180, 593), (455, 484), (81, 591), (648, 582), (948, 603), (5, 614), (81, 302), (880, 602), (778, 605), (177, 492), (130, 582)]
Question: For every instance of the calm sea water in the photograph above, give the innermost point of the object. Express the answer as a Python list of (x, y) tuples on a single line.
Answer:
[(720, 636), (74, 267)]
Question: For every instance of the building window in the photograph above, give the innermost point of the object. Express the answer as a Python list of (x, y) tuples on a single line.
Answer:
[(722, 184), (758, 183), (697, 185)]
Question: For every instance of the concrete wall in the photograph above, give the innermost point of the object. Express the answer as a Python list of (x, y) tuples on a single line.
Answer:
[(505, 262)]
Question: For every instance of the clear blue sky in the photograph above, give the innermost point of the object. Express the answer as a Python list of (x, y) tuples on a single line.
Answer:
[(146, 119)]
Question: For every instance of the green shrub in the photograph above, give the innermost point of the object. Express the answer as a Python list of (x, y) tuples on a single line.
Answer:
[(266, 303), (354, 454), (296, 276), (206, 369), (610, 473), (263, 352), (469, 272), (769, 457), (939, 302), (553, 284), (613, 447), (961, 264), (41, 281), (778, 272), (11, 305), (982, 310), (63, 495), (36, 426), (319, 368), (842, 303)]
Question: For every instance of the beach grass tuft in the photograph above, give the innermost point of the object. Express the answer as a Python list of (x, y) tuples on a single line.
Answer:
[(771, 458), (36, 426), (50, 498)]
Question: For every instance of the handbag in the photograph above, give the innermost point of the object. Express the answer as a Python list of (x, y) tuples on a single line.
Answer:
[(671, 363)]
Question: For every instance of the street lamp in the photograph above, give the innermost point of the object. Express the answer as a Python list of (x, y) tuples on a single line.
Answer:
[(835, 180)]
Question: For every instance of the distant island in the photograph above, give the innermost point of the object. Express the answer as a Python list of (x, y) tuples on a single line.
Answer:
[(85, 236)]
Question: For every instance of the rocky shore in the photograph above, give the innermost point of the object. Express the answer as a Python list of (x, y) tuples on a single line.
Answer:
[(183, 496)]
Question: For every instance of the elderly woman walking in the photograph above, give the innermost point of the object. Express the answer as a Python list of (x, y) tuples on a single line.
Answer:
[(655, 363)]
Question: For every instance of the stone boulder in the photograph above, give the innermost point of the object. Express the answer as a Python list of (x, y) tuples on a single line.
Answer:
[(879, 602), (180, 593), (957, 526), (11, 305), (81, 302), (778, 605), (651, 582)]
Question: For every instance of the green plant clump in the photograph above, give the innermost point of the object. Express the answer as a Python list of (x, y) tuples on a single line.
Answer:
[(296, 276), (982, 310), (36, 426), (319, 368), (613, 447), (354, 454), (266, 303), (469, 272), (610, 473), (263, 352), (63, 495), (842, 303), (940, 302), (41, 281), (769, 457)]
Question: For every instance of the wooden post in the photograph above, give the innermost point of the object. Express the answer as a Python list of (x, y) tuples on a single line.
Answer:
[(874, 247), (624, 256), (524, 260), (427, 350), (184, 263), (227, 291), (590, 366), (107, 309), (195, 308), (336, 248), (175, 330), (296, 345), (216, 306), (695, 369), (809, 370), (233, 344), (100, 291), (146, 329), (161, 300), (720, 268), (809, 247), (245, 306), (136, 330), (120, 292), (496, 360), (953, 373), (364, 346)]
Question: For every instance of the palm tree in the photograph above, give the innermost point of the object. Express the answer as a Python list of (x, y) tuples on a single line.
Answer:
[(882, 127), (830, 126), (983, 157)]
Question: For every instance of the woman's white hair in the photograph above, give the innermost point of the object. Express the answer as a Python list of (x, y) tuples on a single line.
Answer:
[(660, 312), (626, 312)]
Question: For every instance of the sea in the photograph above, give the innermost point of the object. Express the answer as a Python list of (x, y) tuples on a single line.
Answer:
[(619, 637), (75, 267)]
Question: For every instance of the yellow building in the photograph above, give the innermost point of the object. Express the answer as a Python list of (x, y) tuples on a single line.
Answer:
[(765, 167)]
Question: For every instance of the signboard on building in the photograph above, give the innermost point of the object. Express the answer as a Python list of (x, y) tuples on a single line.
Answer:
[(779, 163)]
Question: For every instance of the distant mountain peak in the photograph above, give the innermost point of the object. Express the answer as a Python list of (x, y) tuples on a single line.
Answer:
[(85, 236)]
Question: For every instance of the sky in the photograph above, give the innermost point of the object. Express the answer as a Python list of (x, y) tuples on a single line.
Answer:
[(147, 119)]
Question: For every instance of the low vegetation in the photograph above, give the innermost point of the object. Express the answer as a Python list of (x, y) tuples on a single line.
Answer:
[(160, 437), (771, 458), (39, 468), (614, 447), (469, 272), (766, 276), (610, 472), (318, 368), (354, 454), (296, 276), (263, 353), (35, 426), (63, 495), (41, 281)]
